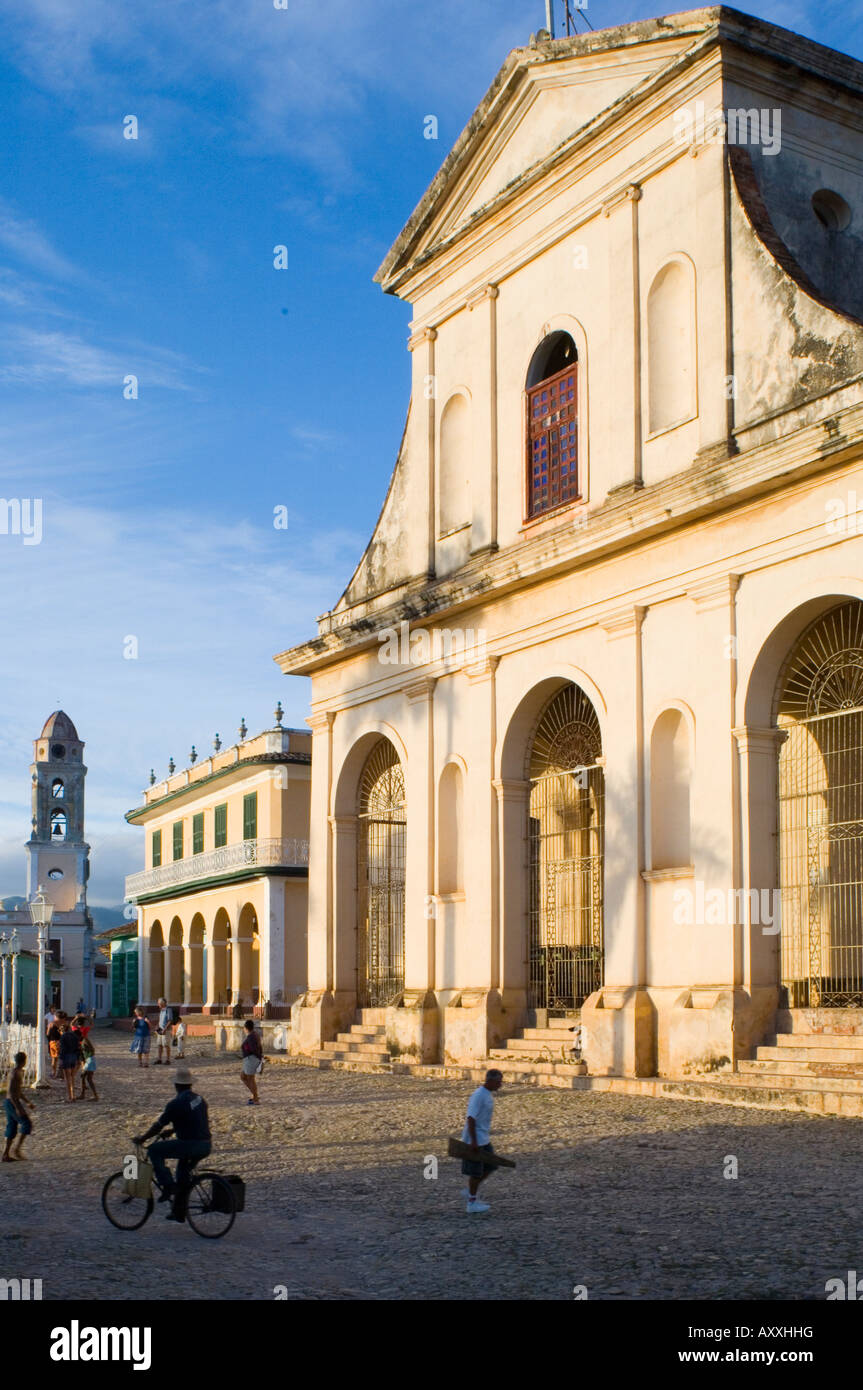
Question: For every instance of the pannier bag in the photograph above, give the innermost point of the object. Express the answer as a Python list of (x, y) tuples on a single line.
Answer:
[(142, 1185), (220, 1197)]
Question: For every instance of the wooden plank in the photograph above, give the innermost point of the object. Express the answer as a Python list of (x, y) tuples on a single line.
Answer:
[(457, 1148)]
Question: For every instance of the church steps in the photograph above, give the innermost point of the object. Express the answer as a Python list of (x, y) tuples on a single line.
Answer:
[(802, 1052), (758, 1066)]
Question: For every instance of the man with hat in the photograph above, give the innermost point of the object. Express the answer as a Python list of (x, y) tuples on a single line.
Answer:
[(187, 1115)]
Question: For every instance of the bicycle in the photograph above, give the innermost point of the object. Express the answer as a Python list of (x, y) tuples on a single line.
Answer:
[(211, 1206)]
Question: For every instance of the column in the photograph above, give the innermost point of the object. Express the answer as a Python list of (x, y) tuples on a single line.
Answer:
[(484, 487), (343, 905), (320, 915), (210, 999), (480, 829), (423, 402), (420, 840), (758, 752), (715, 355), (272, 964), (624, 312)]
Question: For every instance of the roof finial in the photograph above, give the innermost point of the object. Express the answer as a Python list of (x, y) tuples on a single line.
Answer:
[(279, 714), (242, 731)]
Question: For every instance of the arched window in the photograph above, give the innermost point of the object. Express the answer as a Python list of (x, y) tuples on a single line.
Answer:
[(552, 425), (669, 792), (670, 347), (58, 825), (454, 467), (451, 830), (58, 791)]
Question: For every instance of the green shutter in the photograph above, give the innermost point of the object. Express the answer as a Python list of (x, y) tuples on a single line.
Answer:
[(178, 839), (198, 833), (221, 825), (157, 848), (250, 816)]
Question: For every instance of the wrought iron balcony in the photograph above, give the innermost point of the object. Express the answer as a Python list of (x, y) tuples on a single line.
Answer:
[(228, 860)]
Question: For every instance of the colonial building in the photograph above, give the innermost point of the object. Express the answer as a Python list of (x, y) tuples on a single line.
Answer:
[(222, 901), (58, 865), (588, 716)]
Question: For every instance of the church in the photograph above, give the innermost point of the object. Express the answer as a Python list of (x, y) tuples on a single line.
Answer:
[(626, 792), (58, 865)]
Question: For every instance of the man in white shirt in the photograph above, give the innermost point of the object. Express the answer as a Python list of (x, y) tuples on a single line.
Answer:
[(164, 1029), (477, 1133)]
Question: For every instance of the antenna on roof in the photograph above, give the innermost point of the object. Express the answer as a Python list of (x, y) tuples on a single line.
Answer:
[(549, 17)]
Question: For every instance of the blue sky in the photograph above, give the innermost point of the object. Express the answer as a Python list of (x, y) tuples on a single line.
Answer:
[(257, 388)]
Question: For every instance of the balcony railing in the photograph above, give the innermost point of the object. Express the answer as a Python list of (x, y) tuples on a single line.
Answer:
[(248, 855)]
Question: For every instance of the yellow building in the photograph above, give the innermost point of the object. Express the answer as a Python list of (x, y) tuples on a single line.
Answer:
[(222, 900)]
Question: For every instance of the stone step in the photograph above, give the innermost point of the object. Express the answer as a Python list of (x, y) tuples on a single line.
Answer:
[(830, 1021), (325, 1061), (852, 1041), (341, 1049), (360, 1034), (376, 1016), (802, 1053), (797, 1081), (849, 1071), (551, 1032), (515, 1047)]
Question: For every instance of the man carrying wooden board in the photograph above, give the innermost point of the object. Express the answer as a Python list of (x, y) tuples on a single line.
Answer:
[(477, 1133)]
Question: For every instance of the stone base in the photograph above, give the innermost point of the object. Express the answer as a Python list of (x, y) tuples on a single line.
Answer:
[(317, 1016), (476, 1020), (228, 1034), (413, 1027), (618, 1032), (709, 1029)]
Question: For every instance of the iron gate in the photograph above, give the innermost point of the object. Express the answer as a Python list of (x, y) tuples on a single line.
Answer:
[(565, 855), (820, 709), (381, 879)]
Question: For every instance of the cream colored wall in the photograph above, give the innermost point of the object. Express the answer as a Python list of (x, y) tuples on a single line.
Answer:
[(283, 799)]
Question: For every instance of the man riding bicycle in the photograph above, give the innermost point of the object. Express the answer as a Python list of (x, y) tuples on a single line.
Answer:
[(187, 1115)]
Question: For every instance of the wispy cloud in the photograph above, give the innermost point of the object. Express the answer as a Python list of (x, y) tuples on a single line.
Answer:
[(36, 356), (23, 239)]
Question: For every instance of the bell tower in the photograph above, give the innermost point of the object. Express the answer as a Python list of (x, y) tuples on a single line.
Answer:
[(57, 857)]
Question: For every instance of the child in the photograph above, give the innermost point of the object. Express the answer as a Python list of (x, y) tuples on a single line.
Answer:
[(180, 1037), (89, 1068)]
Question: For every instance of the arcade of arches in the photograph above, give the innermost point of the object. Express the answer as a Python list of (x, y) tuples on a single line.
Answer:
[(473, 890), (208, 963)]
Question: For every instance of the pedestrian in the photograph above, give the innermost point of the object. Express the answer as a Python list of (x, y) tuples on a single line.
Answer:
[(477, 1133), (18, 1122), (81, 1026), (141, 1040), (54, 1047), (88, 1071), (253, 1060), (187, 1115), (79, 1007), (164, 1028), (50, 1017), (70, 1057), (180, 1037)]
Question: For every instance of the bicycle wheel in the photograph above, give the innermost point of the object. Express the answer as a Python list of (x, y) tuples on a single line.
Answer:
[(211, 1208), (124, 1211)]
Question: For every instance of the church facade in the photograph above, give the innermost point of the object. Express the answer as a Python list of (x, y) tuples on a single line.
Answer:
[(58, 865), (588, 718)]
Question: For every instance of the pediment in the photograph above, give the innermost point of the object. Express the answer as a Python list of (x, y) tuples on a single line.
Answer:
[(542, 97)]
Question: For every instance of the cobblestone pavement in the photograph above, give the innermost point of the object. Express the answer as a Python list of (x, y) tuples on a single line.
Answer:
[(625, 1196)]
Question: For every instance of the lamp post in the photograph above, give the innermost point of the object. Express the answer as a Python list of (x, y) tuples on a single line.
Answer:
[(41, 913), (4, 966), (15, 951)]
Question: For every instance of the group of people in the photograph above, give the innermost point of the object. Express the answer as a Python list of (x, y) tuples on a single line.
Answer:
[(72, 1053), (168, 1034)]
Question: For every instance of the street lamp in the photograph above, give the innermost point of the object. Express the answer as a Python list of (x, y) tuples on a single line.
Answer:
[(4, 966), (41, 913), (14, 951)]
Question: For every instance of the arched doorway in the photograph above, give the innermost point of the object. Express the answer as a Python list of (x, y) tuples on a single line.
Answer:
[(157, 961), (196, 960), (248, 946), (381, 831), (174, 976), (221, 966), (819, 708), (565, 854)]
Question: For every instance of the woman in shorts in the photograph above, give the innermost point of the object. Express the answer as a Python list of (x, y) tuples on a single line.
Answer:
[(141, 1040), (70, 1058), (54, 1047), (253, 1060)]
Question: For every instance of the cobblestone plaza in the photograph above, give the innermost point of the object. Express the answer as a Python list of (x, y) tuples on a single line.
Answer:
[(622, 1196)]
